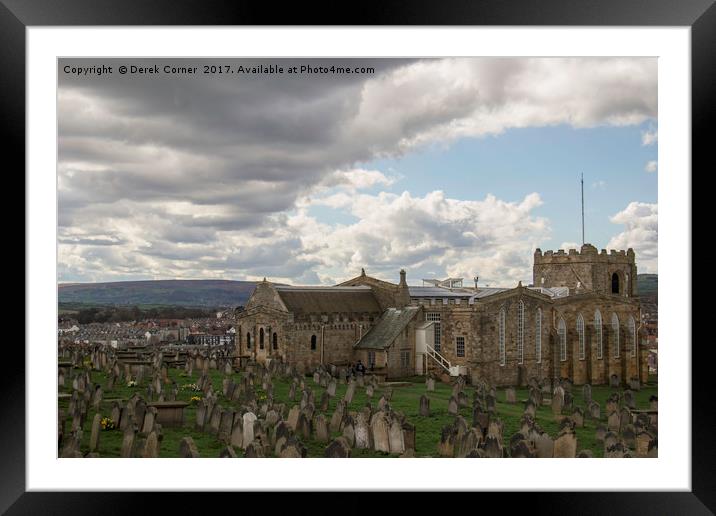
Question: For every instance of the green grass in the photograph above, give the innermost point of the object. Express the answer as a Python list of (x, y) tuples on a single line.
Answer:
[(405, 399)]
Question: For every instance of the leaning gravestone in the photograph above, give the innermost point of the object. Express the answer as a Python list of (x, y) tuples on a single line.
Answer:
[(94, 435)]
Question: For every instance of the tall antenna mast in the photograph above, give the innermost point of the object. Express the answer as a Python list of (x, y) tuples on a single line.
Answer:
[(582, 208)]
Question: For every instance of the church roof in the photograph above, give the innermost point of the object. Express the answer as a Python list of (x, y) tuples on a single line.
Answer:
[(303, 300), (390, 325)]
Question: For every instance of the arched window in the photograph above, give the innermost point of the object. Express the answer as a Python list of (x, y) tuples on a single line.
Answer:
[(275, 341), (501, 336), (580, 336), (313, 343), (615, 333), (562, 334), (538, 335), (248, 340), (632, 335), (615, 283), (521, 332), (598, 333), (261, 338)]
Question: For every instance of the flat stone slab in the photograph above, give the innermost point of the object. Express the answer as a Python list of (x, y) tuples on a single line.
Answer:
[(169, 413)]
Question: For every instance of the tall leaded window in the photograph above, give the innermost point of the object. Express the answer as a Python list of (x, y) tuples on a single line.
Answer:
[(248, 340), (313, 342), (632, 335), (538, 335), (261, 338), (501, 336), (275, 341), (521, 332), (435, 317), (580, 336), (598, 334), (562, 334), (460, 346), (615, 333)]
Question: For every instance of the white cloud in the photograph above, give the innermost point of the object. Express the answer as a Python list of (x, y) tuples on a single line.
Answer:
[(649, 137), (599, 185), (650, 166), (641, 233), (491, 238)]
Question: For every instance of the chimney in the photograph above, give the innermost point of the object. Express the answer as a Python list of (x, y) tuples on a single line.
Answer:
[(475, 278), (403, 283)]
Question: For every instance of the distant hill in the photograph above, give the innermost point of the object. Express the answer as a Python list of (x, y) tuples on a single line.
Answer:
[(190, 293), (647, 284)]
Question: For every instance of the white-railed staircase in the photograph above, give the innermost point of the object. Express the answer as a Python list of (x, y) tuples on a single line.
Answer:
[(442, 361)]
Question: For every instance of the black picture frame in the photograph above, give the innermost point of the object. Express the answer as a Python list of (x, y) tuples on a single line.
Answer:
[(700, 15)]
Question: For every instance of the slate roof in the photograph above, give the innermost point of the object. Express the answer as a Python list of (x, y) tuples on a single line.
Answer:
[(390, 325), (304, 300)]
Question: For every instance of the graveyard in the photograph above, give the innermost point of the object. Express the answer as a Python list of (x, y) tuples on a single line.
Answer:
[(150, 405)]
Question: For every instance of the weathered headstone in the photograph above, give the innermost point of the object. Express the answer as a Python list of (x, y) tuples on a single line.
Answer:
[(424, 406)]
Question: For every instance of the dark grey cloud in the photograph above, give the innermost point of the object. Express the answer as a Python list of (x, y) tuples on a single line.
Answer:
[(166, 175)]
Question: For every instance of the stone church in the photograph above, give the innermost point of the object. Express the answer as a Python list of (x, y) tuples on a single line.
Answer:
[(580, 319)]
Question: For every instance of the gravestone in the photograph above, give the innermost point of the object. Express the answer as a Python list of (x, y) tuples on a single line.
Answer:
[(248, 427), (94, 435), (380, 429), (544, 446), (237, 433), (587, 393), (350, 392), (151, 446), (613, 422), (424, 406), (292, 419), (578, 417), (629, 399), (565, 446), (594, 410), (396, 438), (362, 432), (430, 384), (446, 445), (510, 395), (338, 449), (322, 434), (128, 442), (452, 406), (331, 389)]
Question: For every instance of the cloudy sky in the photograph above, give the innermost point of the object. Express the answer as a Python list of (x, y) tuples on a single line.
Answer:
[(444, 167)]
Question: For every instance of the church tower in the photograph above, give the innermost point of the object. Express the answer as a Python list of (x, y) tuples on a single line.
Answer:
[(587, 270)]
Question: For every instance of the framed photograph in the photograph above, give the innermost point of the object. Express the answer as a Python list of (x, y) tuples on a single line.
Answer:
[(382, 248)]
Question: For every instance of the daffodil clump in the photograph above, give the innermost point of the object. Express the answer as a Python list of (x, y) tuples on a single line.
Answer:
[(195, 399), (131, 383), (107, 423), (190, 387)]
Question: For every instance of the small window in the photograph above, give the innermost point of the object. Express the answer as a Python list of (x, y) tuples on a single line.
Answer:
[(313, 343), (460, 346), (275, 341), (405, 359), (261, 338), (371, 359), (248, 341), (615, 283)]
